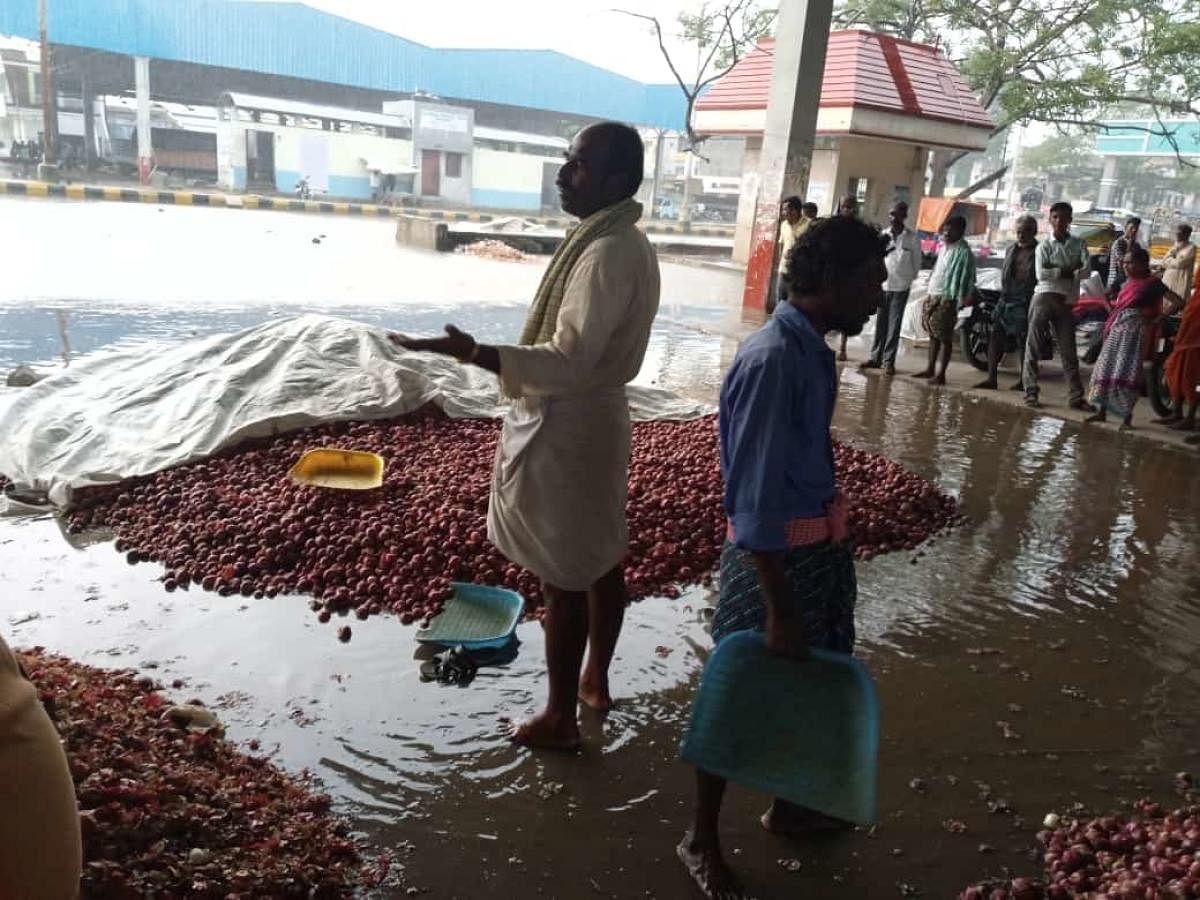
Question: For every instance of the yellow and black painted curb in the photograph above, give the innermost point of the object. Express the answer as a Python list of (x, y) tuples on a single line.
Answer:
[(253, 201), (187, 198)]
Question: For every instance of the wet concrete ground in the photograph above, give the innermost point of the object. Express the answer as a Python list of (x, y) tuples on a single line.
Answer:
[(1068, 607)]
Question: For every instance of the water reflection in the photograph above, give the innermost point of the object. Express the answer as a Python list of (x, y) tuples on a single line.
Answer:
[(1060, 519)]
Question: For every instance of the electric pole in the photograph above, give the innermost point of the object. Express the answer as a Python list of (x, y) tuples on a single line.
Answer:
[(49, 101)]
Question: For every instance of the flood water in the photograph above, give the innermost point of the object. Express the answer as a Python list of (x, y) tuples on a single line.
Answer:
[(1067, 606)]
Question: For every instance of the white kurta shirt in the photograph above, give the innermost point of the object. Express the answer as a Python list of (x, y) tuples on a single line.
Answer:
[(560, 481)]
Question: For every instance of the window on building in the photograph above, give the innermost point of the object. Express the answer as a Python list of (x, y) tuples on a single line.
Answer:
[(454, 165), (859, 188)]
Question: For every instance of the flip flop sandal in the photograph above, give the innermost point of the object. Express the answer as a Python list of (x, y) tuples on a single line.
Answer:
[(459, 665), (431, 669)]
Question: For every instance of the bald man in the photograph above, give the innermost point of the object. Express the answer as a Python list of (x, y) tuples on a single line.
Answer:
[(559, 487)]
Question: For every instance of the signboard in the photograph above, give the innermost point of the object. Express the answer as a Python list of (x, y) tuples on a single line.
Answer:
[(818, 193), (714, 185), (441, 127), (440, 120)]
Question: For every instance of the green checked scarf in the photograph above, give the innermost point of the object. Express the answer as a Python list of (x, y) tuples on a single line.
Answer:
[(543, 314)]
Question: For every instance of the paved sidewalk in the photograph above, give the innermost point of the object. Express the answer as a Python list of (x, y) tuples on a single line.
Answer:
[(961, 376)]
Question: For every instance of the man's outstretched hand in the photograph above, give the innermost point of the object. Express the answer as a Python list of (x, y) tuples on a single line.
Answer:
[(456, 343)]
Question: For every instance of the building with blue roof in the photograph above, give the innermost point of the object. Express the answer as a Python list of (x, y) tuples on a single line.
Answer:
[(300, 47)]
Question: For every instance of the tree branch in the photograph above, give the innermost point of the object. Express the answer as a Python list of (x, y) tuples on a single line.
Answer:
[(662, 46)]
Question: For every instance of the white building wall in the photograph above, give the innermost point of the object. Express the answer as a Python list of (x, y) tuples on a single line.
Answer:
[(894, 171), (334, 161), (507, 180)]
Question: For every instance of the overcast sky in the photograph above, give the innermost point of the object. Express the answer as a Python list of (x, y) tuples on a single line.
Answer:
[(586, 29)]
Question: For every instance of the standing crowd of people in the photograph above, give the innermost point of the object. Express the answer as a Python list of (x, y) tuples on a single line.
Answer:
[(1040, 284), (24, 156)]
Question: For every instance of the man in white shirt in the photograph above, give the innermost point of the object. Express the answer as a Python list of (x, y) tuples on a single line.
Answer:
[(793, 223), (560, 482), (1061, 263), (1180, 262), (903, 261)]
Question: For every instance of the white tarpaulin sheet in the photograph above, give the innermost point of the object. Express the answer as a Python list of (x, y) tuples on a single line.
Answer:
[(117, 415)]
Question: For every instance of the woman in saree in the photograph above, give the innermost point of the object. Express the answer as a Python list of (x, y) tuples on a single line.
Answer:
[(1183, 365), (1117, 375)]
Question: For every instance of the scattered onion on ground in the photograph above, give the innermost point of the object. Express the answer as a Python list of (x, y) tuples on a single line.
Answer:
[(235, 524), (1153, 853), (169, 811)]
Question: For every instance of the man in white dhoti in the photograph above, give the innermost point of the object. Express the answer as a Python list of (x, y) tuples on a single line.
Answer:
[(557, 504)]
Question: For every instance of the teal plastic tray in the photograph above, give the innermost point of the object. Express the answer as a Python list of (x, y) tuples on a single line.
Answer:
[(477, 616), (806, 731)]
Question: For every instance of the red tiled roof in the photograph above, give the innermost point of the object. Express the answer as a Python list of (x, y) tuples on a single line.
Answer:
[(862, 69)]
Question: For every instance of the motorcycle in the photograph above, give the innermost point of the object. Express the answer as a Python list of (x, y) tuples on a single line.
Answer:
[(975, 323), (1156, 387), (303, 191), (975, 328)]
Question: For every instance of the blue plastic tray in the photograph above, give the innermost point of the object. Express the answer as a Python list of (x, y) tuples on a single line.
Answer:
[(806, 731), (476, 617)]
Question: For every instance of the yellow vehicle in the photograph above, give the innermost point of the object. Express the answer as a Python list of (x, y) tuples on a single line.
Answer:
[(1100, 231)]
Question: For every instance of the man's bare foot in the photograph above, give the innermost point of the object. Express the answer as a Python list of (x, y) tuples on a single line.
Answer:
[(889, 370), (546, 732), (939, 378), (795, 821), (924, 373), (868, 364), (1095, 417), (708, 870), (988, 384), (594, 695)]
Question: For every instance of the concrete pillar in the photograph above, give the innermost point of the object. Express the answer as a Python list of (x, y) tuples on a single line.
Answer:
[(656, 183), (747, 200), (1108, 182), (89, 119), (145, 150), (48, 167), (801, 37)]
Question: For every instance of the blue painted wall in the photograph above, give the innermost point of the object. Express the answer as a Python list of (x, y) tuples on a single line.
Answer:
[(341, 187), (293, 40), (496, 199)]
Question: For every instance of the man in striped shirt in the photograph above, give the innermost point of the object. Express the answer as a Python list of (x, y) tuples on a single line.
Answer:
[(1116, 255)]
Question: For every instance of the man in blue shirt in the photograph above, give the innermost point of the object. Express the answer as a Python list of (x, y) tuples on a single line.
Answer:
[(785, 566)]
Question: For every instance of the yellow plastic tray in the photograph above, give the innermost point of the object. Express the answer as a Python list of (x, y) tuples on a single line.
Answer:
[(347, 470)]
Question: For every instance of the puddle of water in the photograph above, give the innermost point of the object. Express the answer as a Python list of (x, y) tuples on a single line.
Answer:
[(1068, 606)]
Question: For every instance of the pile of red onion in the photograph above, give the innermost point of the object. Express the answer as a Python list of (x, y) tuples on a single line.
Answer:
[(1152, 854), (235, 523), (168, 811)]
